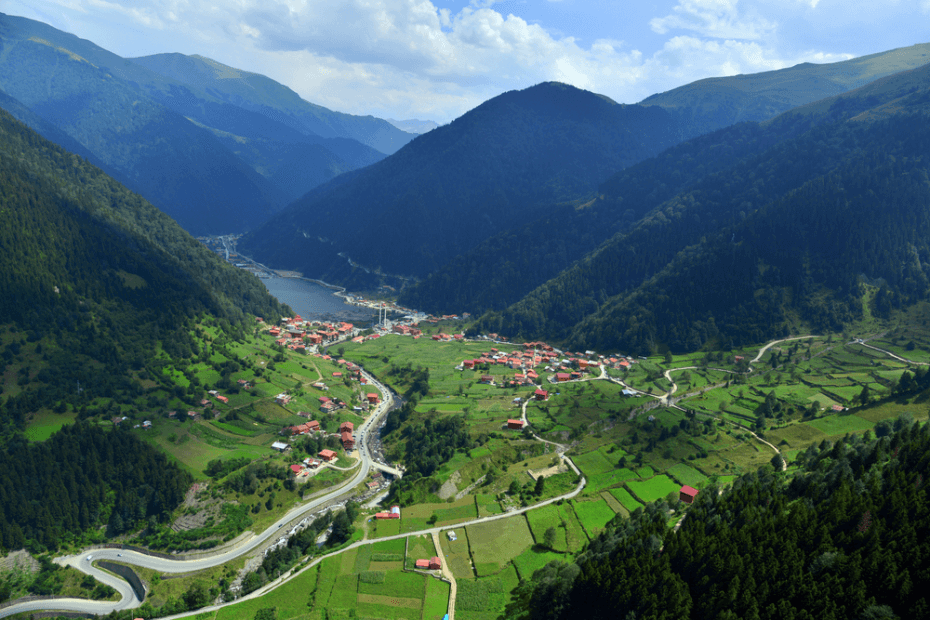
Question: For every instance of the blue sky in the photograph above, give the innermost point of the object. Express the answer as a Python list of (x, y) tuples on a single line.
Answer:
[(437, 59)]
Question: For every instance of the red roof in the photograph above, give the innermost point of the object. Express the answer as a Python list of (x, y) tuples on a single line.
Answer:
[(690, 491), (422, 563), (327, 455), (295, 468)]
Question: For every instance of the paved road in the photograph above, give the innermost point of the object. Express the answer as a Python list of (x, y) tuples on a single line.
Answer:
[(129, 599)]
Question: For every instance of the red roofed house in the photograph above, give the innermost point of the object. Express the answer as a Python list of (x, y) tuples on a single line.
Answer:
[(541, 395), (327, 455), (337, 375), (422, 564), (347, 442), (346, 427), (296, 468), (313, 425), (434, 563), (468, 364), (372, 398), (487, 379), (687, 494), (562, 376), (515, 424)]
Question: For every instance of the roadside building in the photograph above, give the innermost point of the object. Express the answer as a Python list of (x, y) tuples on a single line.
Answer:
[(435, 563), (515, 424), (541, 395), (687, 494)]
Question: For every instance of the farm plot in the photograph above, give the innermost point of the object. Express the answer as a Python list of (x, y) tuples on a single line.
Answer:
[(840, 424), (594, 515), (485, 598), (535, 558), (685, 474), (541, 519), (495, 544), (654, 488), (419, 548), (626, 500), (457, 554)]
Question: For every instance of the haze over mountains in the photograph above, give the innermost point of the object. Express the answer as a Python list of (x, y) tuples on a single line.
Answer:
[(216, 148)]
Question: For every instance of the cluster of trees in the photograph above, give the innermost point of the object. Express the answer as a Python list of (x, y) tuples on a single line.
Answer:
[(841, 538), (81, 478)]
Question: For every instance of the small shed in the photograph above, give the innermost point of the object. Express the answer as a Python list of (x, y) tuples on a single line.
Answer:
[(422, 564), (687, 494)]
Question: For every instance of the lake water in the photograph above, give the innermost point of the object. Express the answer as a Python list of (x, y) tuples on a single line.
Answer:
[(316, 302)]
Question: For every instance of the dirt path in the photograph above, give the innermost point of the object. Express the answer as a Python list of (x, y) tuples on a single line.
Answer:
[(447, 574)]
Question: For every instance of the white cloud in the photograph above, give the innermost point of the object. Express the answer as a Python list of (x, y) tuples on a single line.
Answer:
[(717, 19), (410, 58)]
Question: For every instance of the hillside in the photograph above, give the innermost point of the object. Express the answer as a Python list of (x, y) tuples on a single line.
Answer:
[(713, 103), (96, 283), (213, 82), (820, 543), (508, 265), (459, 184), (777, 160)]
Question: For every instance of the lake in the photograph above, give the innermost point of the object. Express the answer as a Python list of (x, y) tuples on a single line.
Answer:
[(316, 302)]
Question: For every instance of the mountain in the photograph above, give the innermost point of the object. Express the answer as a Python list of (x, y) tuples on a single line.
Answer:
[(414, 125), (812, 220), (266, 124), (216, 148), (214, 82), (179, 166), (96, 284), (448, 190), (507, 266), (714, 103)]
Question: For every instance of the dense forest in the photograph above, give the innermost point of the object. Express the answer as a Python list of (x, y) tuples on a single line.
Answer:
[(721, 261), (511, 264), (83, 477), (459, 184), (96, 283), (842, 537)]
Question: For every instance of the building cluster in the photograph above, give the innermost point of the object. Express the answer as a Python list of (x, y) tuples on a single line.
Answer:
[(298, 334)]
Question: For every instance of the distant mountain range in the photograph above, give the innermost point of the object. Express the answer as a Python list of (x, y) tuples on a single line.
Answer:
[(216, 148), (414, 125)]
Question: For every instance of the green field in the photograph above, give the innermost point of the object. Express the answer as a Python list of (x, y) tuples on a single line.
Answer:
[(496, 543), (685, 474), (626, 500), (593, 515), (841, 424)]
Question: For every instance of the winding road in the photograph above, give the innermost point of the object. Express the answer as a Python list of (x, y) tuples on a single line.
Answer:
[(84, 561)]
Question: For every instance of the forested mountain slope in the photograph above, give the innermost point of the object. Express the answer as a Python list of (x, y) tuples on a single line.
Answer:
[(455, 186), (843, 537), (507, 266), (714, 103), (846, 138), (216, 148), (214, 82), (96, 283), (180, 167)]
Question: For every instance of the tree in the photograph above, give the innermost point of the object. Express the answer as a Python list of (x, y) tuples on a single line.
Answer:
[(549, 538), (777, 462), (540, 484)]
